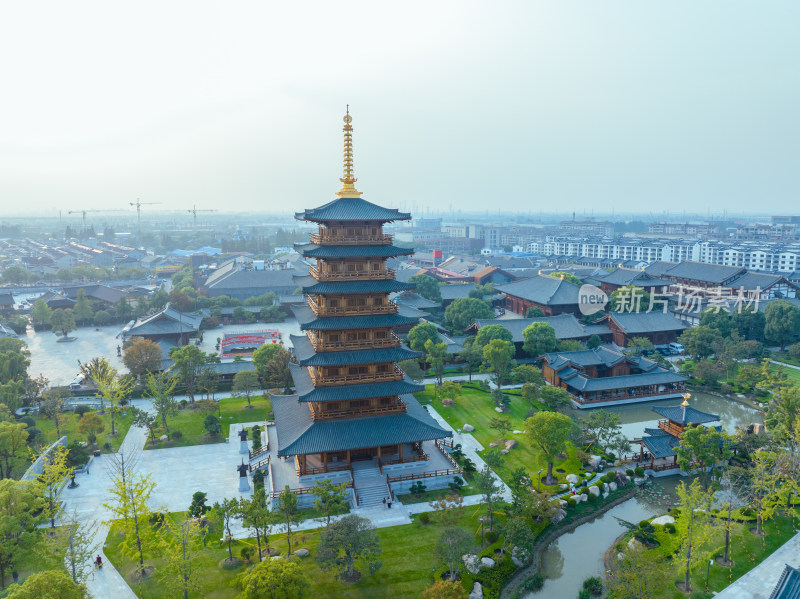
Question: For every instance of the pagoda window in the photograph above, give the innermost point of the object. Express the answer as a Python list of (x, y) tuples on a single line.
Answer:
[(382, 368), (376, 266), (380, 334), (333, 303), (351, 232), (385, 401), (333, 371), (333, 338), (377, 301), (333, 266), (357, 370), (357, 301)]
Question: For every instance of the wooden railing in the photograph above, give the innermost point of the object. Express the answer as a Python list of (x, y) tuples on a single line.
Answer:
[(259, 464), (391, 341), (327, 239), (620, 396), (661, 467), (322, 380), (398, 408), (669, 427), (389, 486), (323, 310), (447, 455), (418, 475), (421, 457), (258, 452), (310, 491), (355, 275), (315, 470)]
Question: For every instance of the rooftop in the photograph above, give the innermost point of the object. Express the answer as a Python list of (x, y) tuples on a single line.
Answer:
[(542, 289), (352, 209)]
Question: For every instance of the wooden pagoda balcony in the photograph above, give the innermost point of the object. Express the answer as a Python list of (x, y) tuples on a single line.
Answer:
[(330, 239), (322, 345), (318, 414), (671, 428), (354, 275), (395, 374), (327, 310)]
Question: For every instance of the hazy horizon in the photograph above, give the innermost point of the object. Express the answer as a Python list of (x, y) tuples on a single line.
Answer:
[(526, 107)]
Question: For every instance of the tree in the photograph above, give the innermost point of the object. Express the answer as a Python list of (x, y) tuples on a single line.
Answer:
[(567, 276), (159, 299), (758, 485), (601, 426), (21, 511), (549, 431), (273, 579), (48, 584), (278, 372), (146, 420), (702, 448), (447, 509), (331, 499), (142, 356), (781, 322), (225, 511), (534, 312), (41, 313), (180, 548), (427, 287), (629, 298), (639, 575), (566, 345), (450, 389), (244, 383), (82, 310), (472, 356), (464, 311), (554, 398), (481, 291), (62, 321), (701, 342), (198, 506), (540, 338), (13, 439), (212, 426), (445, 589), (451, 545), (262, 356), (159, 387), (729, 502), (287, 509), (412, 369), (528, 373), (208, 381), (15, 275), (437, 355), (594, 342), (77, 544), (348, 541), (91, 425), (54, 475), (188, 363), (180, 301), (256, 515), (693, 527), (502, 425), (499, 355), (52, 405), (490, 492), (491, 332), (421, 333), (114, 389), (518, 534), (130, 494), (638, 346), (749, 323)]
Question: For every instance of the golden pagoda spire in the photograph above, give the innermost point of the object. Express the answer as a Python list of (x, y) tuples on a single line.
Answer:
[(348, 180), (686, 397)]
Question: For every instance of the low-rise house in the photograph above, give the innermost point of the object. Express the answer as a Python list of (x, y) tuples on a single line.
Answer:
[(552, 295), (167, 325), (604, 377), (659, 327), (239, 279)]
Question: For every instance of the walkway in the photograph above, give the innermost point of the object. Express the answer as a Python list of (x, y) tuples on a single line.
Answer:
[(759, 582)]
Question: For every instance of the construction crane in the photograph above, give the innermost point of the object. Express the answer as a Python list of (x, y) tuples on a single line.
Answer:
[(194, 212), (139, 205), (83, 213)]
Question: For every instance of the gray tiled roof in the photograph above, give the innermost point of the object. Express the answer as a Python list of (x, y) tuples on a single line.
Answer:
[(307, 392), (298, 434), (699, 271), (310, 285), (659, 376), (306, 356), (165, 322), (685, 414), (312, 250), (624, 276), (456, 291), (599, 356), (232, 276), (544, 290), (752, 280), (409, 298), (310, 321), (566, 326), (661, 446), (351, 209), (646, 322)]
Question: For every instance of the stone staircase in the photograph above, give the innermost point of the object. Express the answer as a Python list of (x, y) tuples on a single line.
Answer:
[(370, 485)]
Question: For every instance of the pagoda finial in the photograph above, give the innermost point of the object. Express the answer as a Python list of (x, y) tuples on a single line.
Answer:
[(686, 397), (348, 180)]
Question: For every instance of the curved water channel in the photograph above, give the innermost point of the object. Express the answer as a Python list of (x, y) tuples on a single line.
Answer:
[(577, 555)]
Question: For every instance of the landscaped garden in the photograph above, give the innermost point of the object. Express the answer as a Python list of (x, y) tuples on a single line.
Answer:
[(191, 422)]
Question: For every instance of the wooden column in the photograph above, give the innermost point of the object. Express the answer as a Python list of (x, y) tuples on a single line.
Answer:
[(325, 461), (348, 457), (401, 451), (379, 452)]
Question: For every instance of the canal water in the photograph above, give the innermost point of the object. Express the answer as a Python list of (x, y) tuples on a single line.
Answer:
[(575, 556)]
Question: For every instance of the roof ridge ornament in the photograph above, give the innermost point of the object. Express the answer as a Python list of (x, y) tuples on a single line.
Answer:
[(686, 397), (348, 180)]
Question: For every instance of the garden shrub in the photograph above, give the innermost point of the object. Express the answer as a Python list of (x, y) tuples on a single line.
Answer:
[(490, 536), (532, 583), (33, 434), (629, 472), (27, 421), (493, 579), (593, 585), (176, 435), (246, 553), (591, 498), (643, 523), (424, 518), (669, 527), (571, 502), (583, 594), (82, 409), (639, 471)]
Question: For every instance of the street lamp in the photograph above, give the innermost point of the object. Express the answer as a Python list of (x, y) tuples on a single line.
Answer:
[(708, 572), (481, 521), (539, 480)]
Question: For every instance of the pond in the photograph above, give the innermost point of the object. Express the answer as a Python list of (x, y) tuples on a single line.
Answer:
[(575, 556)]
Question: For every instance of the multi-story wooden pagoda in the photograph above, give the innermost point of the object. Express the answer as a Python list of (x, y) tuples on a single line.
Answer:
[(352, 401)]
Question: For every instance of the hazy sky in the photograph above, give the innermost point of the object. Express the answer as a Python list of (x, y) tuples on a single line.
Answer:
[(551, 106)]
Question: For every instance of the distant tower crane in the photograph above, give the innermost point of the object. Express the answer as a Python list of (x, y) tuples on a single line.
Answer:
[(139, 205), (83, 213), (194, 212)]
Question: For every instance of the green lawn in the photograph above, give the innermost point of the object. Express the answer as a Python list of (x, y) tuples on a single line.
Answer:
[(793, 374), (68, 423), (408, 564), (476, 408), (190, 421)]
